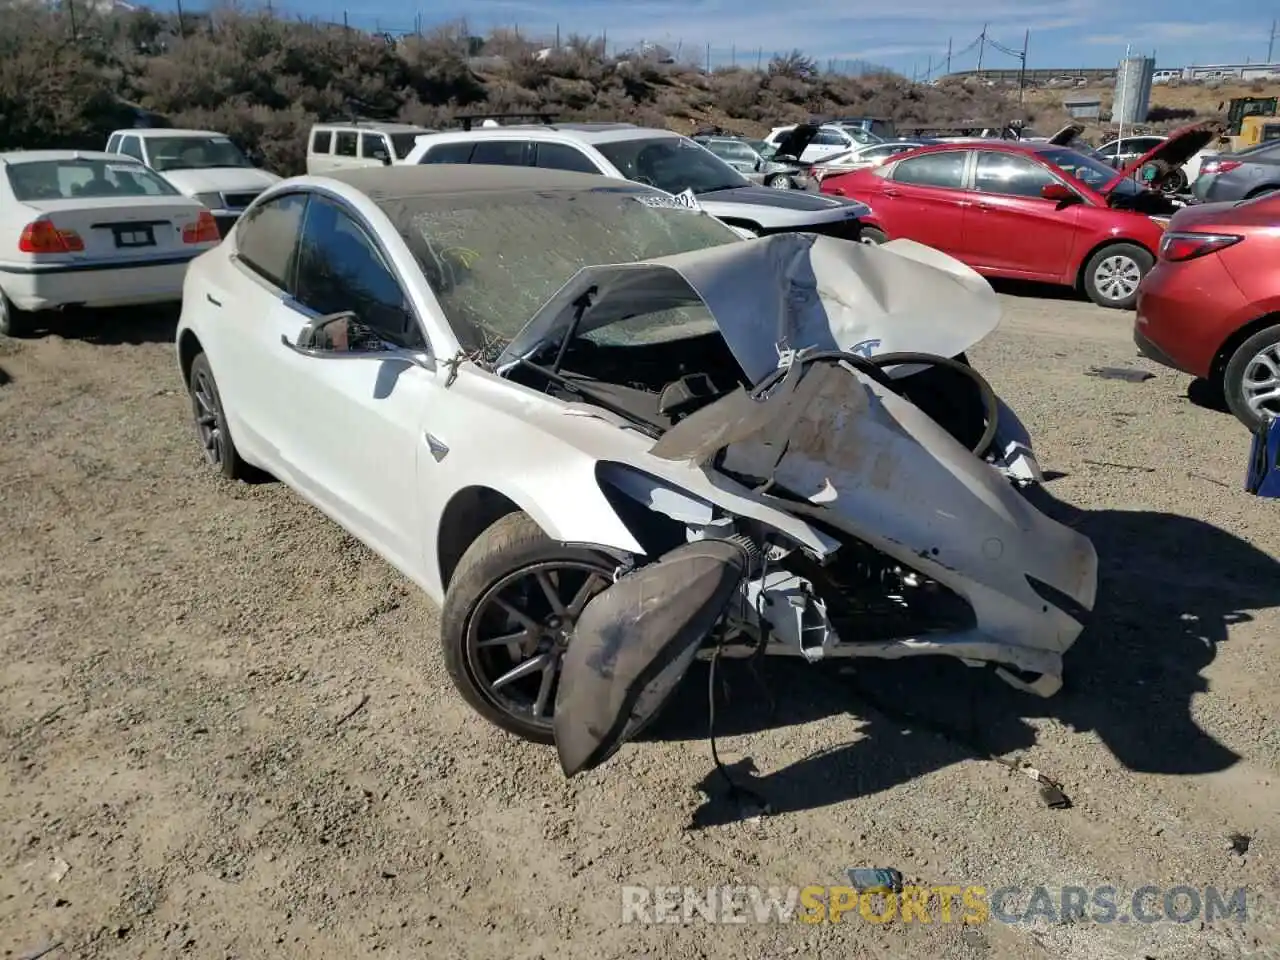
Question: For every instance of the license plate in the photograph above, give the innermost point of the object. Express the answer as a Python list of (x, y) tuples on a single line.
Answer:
[(137, 237)]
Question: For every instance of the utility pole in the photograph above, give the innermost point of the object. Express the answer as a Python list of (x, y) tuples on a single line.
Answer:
[(982, 48), (182, 24), (928, 71), (948, 55), (1272, 42), (1022, 68), (708, 56), (71, 11)]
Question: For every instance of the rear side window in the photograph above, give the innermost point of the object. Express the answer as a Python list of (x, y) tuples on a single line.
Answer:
[(830, 138), (267, 236), (321, 141), (933, 169), (504, 153), (371, 144), (448, 153), (559, 156), (345, 144), (113, 145)]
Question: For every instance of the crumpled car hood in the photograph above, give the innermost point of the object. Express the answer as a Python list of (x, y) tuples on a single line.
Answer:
[(789, 291)]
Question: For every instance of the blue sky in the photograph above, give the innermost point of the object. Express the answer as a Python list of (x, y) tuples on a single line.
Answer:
[(903, 34)]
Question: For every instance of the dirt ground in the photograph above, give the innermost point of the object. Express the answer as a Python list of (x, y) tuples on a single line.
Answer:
[(227, 732)]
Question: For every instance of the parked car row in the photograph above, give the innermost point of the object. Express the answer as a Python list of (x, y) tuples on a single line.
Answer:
[(1028, 210)]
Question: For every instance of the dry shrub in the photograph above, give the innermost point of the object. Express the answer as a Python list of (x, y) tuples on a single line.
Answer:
[(265, 80)]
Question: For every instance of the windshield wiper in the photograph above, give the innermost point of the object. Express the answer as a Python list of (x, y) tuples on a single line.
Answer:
[(578, 390)]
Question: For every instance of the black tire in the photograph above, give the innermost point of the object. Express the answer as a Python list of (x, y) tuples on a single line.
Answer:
[(1107, 278), (513, 544), (1175, 184), (780, 181), (1233, 376), (872, 236), (215, 435), (1262, 192), (14, 322)]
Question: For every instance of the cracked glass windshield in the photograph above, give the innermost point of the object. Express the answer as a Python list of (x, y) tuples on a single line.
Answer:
[(493, 259)]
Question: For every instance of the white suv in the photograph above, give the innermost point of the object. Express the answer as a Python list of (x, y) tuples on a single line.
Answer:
[(659, 158), (362, 143)]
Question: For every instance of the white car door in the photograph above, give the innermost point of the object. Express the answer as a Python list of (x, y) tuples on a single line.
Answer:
[(356, 420), (239, 297)]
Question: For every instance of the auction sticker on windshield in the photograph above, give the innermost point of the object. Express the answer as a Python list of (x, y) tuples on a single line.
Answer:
[(681, 201)]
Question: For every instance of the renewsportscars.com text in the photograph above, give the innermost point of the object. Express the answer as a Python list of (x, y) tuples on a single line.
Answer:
[(931, 904)]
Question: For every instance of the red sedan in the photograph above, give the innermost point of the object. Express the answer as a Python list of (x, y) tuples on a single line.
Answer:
[(1211, 306), (1028, 211)]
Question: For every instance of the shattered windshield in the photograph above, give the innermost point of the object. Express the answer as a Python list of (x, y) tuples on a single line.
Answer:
[(673, 164), (494, 258)]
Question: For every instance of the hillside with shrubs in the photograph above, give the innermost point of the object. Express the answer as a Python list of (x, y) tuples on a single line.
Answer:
[(68, 81)]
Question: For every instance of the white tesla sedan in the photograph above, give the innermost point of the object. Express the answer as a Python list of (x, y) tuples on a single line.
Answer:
[(82, 228), (605, 433)]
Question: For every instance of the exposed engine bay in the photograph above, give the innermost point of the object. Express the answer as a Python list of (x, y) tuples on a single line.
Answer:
[(903, 463)]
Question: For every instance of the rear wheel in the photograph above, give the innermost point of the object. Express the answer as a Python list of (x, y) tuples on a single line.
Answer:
[(1251, 380), (13, 322), (779, 181), (211, 422), (1112, 275), (508, 615)]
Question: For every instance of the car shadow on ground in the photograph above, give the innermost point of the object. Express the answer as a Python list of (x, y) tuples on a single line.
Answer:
[(1205, 395), (1036, 291), (1170, 587), (121, 325), (5, 377)]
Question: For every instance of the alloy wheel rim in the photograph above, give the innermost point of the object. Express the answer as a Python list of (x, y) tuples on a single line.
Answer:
[(1117, 277), (519, 630), (208, 422), (1261, 383), (780, 183)]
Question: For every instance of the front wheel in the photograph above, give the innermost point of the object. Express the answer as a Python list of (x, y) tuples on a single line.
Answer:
[(871, 236), (1112, 276), (1251, 380), (779, 181), (508, 614)]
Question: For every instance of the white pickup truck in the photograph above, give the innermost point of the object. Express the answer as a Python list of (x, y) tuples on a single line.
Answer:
[(202, 164)]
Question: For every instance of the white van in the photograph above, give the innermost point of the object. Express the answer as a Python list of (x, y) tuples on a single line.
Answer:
[(363, 143)]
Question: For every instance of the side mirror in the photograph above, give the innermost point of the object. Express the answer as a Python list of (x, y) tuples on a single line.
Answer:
[(338, 333), (1058, 193), (383, 156)]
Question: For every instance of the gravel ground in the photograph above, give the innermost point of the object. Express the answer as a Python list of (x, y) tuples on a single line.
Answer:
[(227, 731)]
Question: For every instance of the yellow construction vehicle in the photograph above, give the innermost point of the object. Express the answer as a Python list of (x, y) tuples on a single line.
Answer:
[(1250, 121)]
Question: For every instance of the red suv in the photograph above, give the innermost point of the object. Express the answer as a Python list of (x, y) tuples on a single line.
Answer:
[(1211, 306), (1028, 211)]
